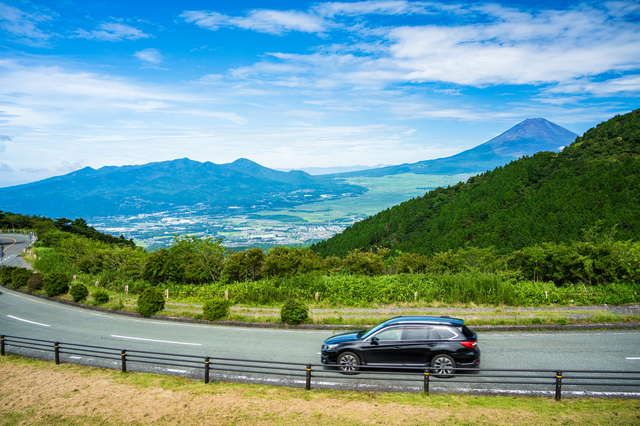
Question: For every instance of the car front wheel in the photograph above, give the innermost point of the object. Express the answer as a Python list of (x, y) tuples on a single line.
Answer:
[(348, 362), (443, 366)]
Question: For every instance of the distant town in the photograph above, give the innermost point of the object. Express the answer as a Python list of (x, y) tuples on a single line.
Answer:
[(237, 231)]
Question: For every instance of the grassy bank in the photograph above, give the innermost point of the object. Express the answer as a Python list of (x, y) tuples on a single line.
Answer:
[(38, 392), (324, 313)]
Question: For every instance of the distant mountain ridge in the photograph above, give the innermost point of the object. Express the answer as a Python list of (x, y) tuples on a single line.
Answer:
[(165, 185), (526, 138), (244, 184)]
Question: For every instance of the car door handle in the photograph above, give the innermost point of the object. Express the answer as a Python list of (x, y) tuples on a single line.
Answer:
[(396, 347)]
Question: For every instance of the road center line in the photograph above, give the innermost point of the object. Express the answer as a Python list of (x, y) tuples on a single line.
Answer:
[(633, 357), (158, 341), (30, 322)]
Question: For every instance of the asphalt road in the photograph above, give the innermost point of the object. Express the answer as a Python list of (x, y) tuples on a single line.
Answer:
[(14, 244), (28, 316)]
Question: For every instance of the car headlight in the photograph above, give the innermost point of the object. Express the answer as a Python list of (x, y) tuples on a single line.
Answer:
[(329, 347)]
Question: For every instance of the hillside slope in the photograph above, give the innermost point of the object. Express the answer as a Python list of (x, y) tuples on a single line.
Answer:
[(526, 138), (161, 186), (547, 197)]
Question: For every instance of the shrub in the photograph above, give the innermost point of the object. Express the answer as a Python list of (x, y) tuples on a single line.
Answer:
[(79, 292), (100, 297), (5, 274), (215, 309), (150, 301), (56, 284), (294, 312), (35, 282), (20, 276)]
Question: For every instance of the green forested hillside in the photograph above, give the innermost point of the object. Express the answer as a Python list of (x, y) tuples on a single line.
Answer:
[(549, 197)]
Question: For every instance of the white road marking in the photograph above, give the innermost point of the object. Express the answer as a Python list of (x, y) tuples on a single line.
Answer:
[(158, 341), (30, 322), (633, 357), (75, 357), (176, 371)]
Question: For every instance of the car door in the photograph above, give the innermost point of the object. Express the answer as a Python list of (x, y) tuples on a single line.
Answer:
[(384, 347), (418, 343)]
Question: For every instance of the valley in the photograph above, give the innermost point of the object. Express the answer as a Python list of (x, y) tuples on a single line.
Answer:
[(302, 224)]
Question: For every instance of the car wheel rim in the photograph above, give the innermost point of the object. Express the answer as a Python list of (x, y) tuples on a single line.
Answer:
[(348, 363), (443, 365)]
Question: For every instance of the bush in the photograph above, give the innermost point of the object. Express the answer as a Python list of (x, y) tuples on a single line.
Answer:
[(150, 301), (79, 292), (5, 274), (56, 284), (100, 297), (294, 312), (20, 277), (35, 282), (215, 309)]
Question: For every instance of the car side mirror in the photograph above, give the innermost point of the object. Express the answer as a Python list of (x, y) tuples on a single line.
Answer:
[(374, 340)]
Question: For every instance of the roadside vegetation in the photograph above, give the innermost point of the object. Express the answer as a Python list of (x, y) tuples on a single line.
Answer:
[(36, 392)]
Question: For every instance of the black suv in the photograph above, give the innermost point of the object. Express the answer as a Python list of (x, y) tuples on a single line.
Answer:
[(443, 343)]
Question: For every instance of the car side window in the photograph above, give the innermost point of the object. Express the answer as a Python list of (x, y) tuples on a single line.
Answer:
[(390, 334), (445, 333), (419, 333)]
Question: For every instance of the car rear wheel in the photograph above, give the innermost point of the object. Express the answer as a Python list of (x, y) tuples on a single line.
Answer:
[(348, 362), (443, 365)]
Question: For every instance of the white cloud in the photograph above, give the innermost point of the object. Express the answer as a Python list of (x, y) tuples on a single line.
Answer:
[(628, 84), (494, 45), (209, 20), (5, 168), (67, 167), (265, 21), (279, 22), (4, 138), (112, 31), (370, 7), (34, 169), (23, 24), (151, 55)]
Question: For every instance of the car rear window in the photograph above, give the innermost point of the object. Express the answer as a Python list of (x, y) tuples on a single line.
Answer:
[(466, 331), (444, 333)]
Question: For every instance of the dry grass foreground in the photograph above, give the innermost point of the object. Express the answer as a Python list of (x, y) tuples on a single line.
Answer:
[(35, 392)]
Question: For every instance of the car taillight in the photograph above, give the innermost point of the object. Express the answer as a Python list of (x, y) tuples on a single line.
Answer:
[(469, 345)]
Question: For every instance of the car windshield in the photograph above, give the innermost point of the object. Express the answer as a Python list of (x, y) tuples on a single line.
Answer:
[(372, 330)]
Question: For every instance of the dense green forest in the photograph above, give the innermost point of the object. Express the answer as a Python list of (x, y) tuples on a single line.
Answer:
[(548, 197)]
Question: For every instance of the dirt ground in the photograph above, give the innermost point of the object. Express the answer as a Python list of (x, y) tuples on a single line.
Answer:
[(38, 393)]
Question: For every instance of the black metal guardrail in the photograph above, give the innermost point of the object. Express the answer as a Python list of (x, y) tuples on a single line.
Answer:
[(554, 379)]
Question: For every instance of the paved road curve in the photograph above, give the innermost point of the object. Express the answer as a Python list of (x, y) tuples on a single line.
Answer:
[(27, 316), (14, 244)]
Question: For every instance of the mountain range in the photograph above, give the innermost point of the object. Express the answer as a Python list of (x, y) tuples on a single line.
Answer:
[(155, 187), (216, 188)]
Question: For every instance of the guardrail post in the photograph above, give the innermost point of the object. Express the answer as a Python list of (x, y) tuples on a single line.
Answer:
[(2, 345), (426, 380), (558, 385), (308, 385), (123, 356), (56, 351), (206, 369)]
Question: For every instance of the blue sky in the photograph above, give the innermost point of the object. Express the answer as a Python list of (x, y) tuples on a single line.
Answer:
[(299, 84)]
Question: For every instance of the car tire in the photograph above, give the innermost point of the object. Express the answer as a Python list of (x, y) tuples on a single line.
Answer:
[(443, 366), (348, 363)]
